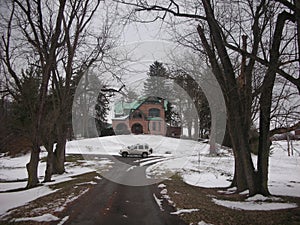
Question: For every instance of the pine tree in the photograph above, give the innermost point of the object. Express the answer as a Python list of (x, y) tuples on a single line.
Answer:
[(102, 109), (156, 84)]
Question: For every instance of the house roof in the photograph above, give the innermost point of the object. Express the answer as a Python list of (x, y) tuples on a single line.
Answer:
[(124, 108), (154, 118)]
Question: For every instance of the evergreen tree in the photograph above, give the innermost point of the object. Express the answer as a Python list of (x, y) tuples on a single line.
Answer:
[(129, 95), (156, 84), (102, 109)]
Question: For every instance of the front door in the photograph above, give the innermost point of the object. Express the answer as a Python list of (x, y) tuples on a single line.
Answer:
[(137, 128)]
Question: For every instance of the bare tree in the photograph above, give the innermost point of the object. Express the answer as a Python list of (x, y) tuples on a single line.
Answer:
[(29, 22), (225, 38), (56, 40)]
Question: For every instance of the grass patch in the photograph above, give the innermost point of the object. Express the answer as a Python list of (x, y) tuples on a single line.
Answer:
[(190, 197)]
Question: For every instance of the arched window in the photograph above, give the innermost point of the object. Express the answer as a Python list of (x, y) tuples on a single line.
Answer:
[(121, 128), (154, 112)]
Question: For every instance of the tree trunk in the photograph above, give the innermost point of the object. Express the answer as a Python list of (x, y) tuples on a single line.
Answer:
[(244, 170), (264, 133), (32, 167), (59, 153), (288, 144), (225, 74), (227, 139), (59, 159), (263, 155), (49, 168), (265, 106), (239, 180), (244, 174)]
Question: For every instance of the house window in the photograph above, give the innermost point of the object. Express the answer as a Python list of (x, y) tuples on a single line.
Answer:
[(137, 115), (154, 112)]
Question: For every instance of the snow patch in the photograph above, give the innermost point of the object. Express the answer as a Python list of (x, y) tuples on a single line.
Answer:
[(130, 168), (180, 211), (258, 197), (204, 223), (11, 200), (63, 220), (161, 186), (261, 206), (164, 191), (88, 182), (152, 161), (158, 202), (70, 199), (44, 218)]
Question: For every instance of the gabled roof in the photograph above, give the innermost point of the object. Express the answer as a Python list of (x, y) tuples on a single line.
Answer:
[(123, 108)]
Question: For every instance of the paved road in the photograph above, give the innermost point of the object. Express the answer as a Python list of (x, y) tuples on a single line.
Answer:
[(113, 203)]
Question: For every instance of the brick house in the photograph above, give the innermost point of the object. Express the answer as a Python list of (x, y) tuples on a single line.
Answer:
[(143, 116)]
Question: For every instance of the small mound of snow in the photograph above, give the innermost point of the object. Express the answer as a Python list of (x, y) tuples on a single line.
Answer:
[(164, 192), (203, 223), (180, 211), (262, 198), (161, 186)]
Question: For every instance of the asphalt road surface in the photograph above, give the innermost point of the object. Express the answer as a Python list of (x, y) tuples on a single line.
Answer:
[(114, 203)]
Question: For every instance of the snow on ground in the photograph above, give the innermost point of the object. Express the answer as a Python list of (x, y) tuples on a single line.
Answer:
[(203, 223), (112, 144), (199, 169), (284, 176), (13, 173), (44, 218), (180, 211), (11, 200), (158, 202), (189, 158), (12, 185), (254, 205)]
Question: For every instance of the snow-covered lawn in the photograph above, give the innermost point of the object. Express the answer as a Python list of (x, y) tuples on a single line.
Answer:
[(13, 173), (188, 158), (191, 160)]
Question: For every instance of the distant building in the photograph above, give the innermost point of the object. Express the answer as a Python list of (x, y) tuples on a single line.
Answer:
[(143, 116)]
